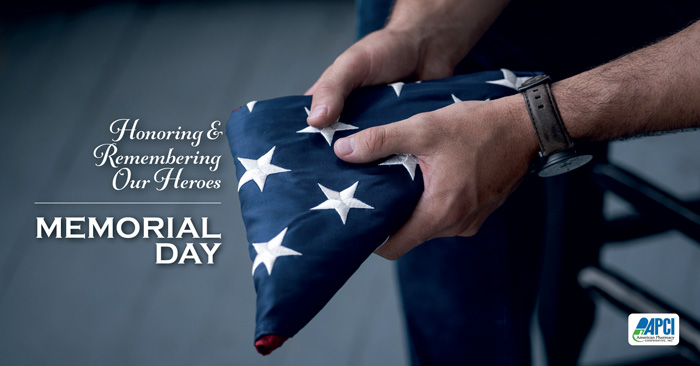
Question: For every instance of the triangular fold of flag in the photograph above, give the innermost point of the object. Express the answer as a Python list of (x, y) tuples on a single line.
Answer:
[(312, 219)]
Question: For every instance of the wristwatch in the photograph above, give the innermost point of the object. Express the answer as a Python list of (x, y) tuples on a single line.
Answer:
[(557, 153)]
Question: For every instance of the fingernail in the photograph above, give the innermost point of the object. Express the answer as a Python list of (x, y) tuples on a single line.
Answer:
[(345, 146), (318, 111)]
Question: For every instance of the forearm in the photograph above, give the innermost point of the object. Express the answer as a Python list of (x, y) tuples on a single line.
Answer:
[(447, 28), (656, 88)]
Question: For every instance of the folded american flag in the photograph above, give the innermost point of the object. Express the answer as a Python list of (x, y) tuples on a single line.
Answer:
[(312, 219)]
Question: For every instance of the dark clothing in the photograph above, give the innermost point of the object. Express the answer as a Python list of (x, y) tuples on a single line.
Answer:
[(470, 300), (564, 38)]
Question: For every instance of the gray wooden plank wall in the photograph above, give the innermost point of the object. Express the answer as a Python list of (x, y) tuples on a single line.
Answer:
[(64, 78)]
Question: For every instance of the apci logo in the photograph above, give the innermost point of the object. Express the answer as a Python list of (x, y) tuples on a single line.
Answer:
[(653, 329)]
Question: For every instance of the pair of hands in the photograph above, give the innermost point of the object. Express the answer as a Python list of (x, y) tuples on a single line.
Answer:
[(472, 154)]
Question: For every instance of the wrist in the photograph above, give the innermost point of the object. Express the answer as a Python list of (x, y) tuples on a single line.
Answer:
[(446, 29), (434, 39), (557, 152), (581, 117), (522, 140)]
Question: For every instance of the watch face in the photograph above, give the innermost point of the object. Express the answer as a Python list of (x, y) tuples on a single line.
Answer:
[(561, 163)]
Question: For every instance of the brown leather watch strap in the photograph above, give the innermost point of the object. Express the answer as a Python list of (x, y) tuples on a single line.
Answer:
[(544, 114)]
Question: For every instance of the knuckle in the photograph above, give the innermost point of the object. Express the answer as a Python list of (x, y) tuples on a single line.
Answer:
[(350, 60), (323, 89), (475, 226), (374, 140), (424, 127), (351, 67), (451, 218), (421, 121)]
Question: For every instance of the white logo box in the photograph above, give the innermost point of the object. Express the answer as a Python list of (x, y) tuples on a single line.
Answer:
[(658, 325)]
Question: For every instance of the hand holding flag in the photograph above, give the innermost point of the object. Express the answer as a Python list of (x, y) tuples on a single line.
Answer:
[(312, 219)]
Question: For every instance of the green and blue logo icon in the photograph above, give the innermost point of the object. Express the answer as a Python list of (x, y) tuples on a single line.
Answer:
[(641, 327)]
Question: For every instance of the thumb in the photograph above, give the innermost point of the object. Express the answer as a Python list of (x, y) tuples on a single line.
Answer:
[(377, 142)]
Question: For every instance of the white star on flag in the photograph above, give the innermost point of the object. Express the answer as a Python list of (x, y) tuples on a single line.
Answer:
[(251, 105), (457, 100), (397, 87), (328, 131), (268, 252), (408, 161), (258, 170), (342, 201), (510, 80)]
